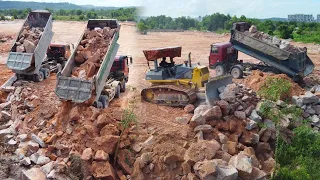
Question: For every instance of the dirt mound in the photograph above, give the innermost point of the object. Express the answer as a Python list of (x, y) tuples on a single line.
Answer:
[(258, 79)]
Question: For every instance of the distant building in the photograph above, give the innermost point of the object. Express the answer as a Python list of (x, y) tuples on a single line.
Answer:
[(301, 17)]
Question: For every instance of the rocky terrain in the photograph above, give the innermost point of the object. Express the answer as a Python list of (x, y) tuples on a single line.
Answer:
[(231, 139)]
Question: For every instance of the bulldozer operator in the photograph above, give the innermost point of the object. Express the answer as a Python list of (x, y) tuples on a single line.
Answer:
[(165, 64)]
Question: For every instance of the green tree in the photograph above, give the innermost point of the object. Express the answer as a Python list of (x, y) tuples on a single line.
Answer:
[(285, 31), (142, 27), (81, 17), (243, 18), (2, 18), (79, 12)]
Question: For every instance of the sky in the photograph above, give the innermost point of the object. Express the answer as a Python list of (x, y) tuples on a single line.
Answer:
[(194, 8)]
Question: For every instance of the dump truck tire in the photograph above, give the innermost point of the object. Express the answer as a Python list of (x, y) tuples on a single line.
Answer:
[(46, 72), (118, 88), (237, 73), (39, 76), (220, 70), (104, 101), (123, 87)]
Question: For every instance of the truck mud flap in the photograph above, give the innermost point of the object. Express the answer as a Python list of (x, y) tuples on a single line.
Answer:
[(213, 85), (73, 89)]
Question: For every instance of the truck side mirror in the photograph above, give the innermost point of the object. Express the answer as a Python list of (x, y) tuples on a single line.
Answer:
[(131, 60)]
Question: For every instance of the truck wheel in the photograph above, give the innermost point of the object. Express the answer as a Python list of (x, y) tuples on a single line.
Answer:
[(118, 89), (123, 87), (237, 73), (46, 72), (104, 100), (38, 77), (220, 71), (98, 105)]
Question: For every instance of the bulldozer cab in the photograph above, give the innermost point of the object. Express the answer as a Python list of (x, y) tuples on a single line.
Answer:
[(162, 57), (167, 72)]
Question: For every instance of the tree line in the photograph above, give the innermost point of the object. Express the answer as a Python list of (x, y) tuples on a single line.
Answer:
[(298, 31), (122, 14)]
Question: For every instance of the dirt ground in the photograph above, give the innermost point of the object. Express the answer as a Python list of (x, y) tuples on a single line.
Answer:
[(151, 117)]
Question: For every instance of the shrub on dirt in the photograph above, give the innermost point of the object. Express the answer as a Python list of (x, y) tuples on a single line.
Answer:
[(76, 167), (275, 89), (300, 159), (129, 118)]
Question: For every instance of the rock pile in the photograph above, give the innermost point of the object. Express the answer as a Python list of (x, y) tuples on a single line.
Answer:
[(273, 40), (91, 51), (78, 142), (28, 39), (229, 130), (310, 104), (228, 143)]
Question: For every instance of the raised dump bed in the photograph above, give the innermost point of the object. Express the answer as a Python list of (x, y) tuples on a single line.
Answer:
[(29, 49), (84, 77), (296, 64)]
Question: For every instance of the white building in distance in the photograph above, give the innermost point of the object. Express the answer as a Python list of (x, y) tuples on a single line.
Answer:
[(302, 17)]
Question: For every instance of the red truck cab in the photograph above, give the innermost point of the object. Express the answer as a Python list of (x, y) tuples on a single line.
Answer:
[(221, 53), (120, 70)]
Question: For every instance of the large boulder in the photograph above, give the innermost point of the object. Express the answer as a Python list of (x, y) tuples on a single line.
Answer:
[(126, 160), (103, 170), (224, 106), (226, 173), (268, 166), (106, 143), (189, 108), (253, 29), (204, 128), (33, 174), (197, 120), (201, 109), (201, 150), (240, 115), (309, 98), (207, 169), (87, 154), (258, 174), (243, 164), (229, 93), (214, 113), (29, 46)]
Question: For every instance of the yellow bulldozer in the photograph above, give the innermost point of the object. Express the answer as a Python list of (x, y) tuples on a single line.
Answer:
[(179, 84), (172, 84)]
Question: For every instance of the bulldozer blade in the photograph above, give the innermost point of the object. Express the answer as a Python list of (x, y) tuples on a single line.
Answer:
[(212, 93)]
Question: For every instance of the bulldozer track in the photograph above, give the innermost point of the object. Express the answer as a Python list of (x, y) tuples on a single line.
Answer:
[(188, 95)]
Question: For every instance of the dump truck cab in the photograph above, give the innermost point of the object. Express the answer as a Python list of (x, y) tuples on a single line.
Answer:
[(59, 51), (120, 70), (221, 53)]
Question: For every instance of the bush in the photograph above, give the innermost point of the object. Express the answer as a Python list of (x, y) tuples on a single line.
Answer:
[(275, 89), (300, 159), (142, 27)]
